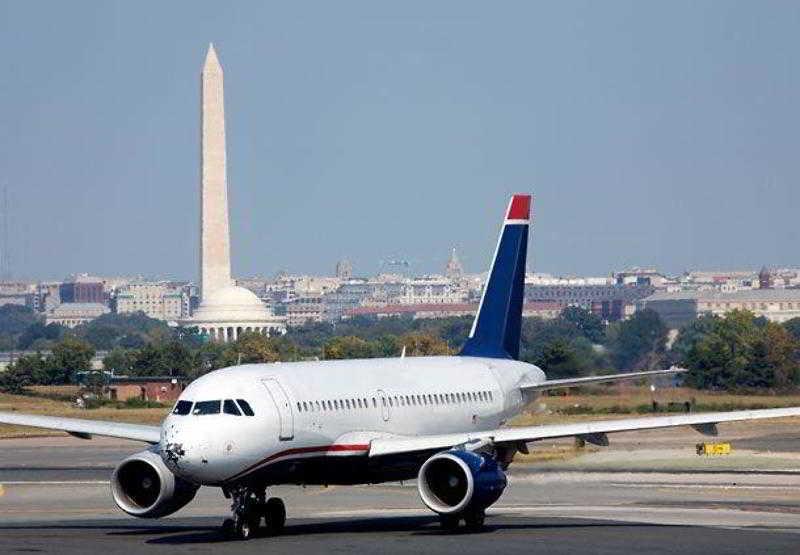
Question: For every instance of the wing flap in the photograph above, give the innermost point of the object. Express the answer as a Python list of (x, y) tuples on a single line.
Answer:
[(574, 382), (83, 428), (527, 434)]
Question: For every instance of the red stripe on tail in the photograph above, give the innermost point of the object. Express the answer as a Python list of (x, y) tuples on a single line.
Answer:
[(520, 208)]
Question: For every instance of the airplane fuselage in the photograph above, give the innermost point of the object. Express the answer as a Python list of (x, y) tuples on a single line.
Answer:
[(312, 422)]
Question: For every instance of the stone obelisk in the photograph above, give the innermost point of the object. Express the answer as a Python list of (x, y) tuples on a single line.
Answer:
[(215, 258)]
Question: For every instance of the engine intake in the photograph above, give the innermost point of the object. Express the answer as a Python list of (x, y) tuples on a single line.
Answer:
[(453, 481), (144, 487)]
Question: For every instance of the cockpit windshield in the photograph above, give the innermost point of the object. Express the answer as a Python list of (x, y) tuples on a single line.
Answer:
[(182, 408), (229, 407), (207, 407), (245, 407)]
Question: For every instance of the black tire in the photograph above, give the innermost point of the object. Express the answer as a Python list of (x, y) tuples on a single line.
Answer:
[(228, 528), (244, 531), (247, 527), (449, 522), (474, 519), (274, 516)]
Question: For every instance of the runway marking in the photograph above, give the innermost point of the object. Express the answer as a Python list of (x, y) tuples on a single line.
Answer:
[(702, 486), (54, 483)]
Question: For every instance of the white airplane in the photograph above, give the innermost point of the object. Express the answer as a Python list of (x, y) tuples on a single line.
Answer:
[(437, 419)]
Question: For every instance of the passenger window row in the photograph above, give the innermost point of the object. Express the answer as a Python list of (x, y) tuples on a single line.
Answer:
[(419, 400), (228, 406)]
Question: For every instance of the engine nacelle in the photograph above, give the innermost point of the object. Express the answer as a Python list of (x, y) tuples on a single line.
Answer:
[(453, 481), (144, 487)]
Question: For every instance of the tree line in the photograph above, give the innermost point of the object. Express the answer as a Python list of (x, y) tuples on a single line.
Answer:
[(738, 351)]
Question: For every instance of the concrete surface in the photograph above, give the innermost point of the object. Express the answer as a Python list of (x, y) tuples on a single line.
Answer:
[(54, 498)]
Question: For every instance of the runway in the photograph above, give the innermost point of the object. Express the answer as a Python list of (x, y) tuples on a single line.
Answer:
[(54, 498)]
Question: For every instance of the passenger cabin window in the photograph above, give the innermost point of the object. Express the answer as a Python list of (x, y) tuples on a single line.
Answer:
[(229, 407), (183, 408), (207, 407), (245, 406)]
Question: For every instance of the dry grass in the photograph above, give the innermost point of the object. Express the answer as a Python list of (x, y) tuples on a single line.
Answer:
[(599, 404), (625, 401), (48, 407)]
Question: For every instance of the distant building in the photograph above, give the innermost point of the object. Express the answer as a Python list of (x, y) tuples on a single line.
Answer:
[(444, 310), (679, 308), (160, 389), (765, 278), (82, 288), (304, 310), (611, 302), (453, 270), (73, 314), (47, 296), (157, 300), (344, 269)]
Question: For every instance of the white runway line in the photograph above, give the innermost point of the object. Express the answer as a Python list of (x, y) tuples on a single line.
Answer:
[(55, 483)]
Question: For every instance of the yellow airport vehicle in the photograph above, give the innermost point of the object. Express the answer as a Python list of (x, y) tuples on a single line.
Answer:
[(713, 449)]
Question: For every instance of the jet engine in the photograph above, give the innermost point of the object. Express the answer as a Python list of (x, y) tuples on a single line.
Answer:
[(454, 481), (144, 487)]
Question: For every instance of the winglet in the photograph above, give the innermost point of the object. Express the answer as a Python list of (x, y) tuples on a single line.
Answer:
[(496, 329)]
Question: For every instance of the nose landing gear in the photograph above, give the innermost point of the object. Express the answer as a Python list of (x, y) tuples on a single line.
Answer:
[(249, 508)]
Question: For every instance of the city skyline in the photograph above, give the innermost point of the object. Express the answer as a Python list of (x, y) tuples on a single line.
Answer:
[(675, 153)]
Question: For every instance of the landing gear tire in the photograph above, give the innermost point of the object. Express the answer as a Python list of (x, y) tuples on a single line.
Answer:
[(274, 516), (228, 528), (248, 508), (247, 527), (449, 522), (474, 519)]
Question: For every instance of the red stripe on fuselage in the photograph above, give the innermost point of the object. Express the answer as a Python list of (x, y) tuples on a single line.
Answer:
[(301, 451)]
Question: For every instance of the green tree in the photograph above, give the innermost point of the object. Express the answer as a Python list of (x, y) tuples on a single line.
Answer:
[(37, 334), (590, 325), (558, 359), (35, 366), (172, 358), (70, 356), (690, 334), (14, 380), (639, 342), (251, 347), (15, 319), (793, 327), (119, 361), (209, 356), (741, 351), (124, 330), (348, 347), (423, 344)]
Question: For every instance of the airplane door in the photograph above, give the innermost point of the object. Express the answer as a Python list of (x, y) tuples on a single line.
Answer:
[(383, 404), (281, 400)]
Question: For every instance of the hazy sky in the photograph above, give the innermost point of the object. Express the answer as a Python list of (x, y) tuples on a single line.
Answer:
[(650, 133)]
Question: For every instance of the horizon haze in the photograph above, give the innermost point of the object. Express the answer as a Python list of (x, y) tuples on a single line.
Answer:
[(649, 135)]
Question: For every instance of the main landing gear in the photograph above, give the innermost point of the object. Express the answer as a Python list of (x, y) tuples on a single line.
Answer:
[(250, 507), (473, 520)]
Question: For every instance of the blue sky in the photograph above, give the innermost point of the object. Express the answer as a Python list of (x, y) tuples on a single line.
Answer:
[(652, 134)]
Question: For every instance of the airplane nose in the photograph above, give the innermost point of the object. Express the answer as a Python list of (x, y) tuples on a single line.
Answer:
[(182, 450)]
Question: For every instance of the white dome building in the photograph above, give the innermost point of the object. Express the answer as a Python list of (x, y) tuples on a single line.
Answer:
[(226, 310)]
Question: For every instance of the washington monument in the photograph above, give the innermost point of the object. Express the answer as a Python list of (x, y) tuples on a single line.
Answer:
[(225, 311), (215, 258)]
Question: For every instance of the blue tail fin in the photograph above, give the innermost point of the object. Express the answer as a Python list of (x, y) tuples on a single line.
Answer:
[(496, 329)]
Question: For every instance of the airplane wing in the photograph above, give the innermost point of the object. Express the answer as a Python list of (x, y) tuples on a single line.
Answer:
[(574, 382), (85, 429), (594, 432)]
